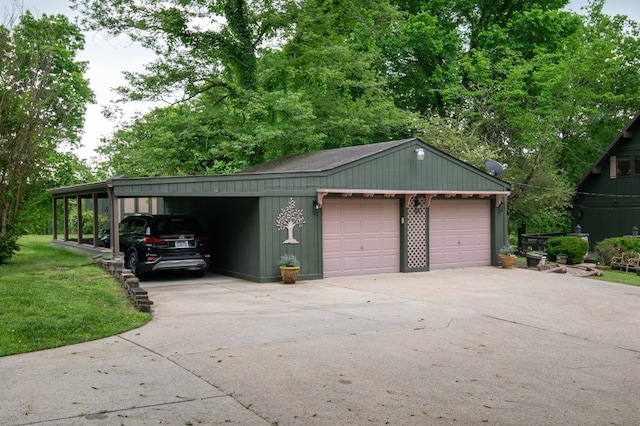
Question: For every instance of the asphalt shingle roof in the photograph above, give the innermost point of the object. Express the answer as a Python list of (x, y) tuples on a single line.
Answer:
[(319, 161)]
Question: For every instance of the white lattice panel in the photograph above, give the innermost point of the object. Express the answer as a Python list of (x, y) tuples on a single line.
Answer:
[(416, 233)]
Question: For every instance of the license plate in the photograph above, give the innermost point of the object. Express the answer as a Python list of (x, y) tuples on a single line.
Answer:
[(182, 244)]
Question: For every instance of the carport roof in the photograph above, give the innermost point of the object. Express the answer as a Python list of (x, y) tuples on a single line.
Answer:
[(319, 161)]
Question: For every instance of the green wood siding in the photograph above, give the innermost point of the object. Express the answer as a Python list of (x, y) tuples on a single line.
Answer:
[(309, 236), (401, 170), (233, 226)]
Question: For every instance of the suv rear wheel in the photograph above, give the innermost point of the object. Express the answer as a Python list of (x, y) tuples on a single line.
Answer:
[(132, 265)]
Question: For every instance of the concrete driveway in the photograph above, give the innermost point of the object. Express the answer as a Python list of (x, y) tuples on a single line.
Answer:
[(468, 346)]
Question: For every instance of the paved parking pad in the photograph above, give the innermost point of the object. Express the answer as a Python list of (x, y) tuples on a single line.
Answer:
[(468, 346)]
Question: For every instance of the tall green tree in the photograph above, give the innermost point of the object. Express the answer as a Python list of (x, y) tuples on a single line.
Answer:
[(334, 60), (201, 138), (60, 169), (43, 96), (422, 56), (474, 17), (543, 102), (201, 44), (320, 87)]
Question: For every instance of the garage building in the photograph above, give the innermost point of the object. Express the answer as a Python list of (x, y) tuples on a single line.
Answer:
[(398, 206)]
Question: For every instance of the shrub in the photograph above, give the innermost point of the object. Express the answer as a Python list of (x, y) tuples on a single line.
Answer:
[(8, 245), (610, 247), (574, 247)]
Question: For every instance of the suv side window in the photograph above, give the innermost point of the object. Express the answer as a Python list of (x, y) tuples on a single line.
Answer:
[(123, 226), (133, 226)]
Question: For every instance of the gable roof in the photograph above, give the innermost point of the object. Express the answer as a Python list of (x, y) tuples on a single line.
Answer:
[(626, 133), (320, 161)]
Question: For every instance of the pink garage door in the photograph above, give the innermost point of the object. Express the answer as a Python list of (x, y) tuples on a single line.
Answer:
[(459, 233), (360, 237)]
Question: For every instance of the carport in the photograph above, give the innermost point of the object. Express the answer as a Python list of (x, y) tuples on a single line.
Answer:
[(398, 206)]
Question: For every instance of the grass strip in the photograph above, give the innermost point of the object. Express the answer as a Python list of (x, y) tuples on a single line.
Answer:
[(620, 277), (51, 297)]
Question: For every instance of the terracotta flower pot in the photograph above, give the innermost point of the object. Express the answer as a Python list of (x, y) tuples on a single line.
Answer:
[(289, 274), (508, 261)]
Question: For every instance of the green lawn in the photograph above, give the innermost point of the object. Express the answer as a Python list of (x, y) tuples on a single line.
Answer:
[(52, 297), (622, 277)]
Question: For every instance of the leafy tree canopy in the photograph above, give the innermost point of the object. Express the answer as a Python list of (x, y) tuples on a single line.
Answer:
[(43, 96)]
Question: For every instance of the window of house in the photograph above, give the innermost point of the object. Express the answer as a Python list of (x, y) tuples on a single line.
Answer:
[(624, 166)]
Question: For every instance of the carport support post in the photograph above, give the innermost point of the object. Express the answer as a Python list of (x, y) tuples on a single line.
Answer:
[(115, 233), (80, 224), (55, 217), (114, 218), (65, 213), (94, 199)]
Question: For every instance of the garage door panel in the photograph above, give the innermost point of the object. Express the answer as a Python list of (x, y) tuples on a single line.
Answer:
[(351, 227), (371, 244), (389, 261), (352, 263), (450, 224), (391, 245), (368, 240), (371, 262), (459, 233), (450, 240), (350, 244), (466, 223), (467, 240), (388, 227), (332, 263), (332, 228)]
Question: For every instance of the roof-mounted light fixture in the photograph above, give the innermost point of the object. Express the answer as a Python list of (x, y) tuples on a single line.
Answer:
[(419, 154)]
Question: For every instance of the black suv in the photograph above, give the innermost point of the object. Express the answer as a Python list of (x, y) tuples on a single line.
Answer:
[(163, 242)]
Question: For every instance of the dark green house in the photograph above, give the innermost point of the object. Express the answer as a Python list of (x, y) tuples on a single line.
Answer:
[(398, 206), (607, 201)]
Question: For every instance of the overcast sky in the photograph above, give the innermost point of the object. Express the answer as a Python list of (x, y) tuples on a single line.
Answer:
[(109, 57)]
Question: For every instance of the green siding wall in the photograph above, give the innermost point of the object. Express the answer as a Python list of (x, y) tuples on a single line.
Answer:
[(308, 249), (401, 170), (233, 226)]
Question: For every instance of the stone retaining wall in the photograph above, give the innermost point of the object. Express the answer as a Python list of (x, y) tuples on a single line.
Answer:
[(129, 282)]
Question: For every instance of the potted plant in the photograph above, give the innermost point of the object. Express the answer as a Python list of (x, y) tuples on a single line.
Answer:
[(536, 259), (289, 267), (508, 257)]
